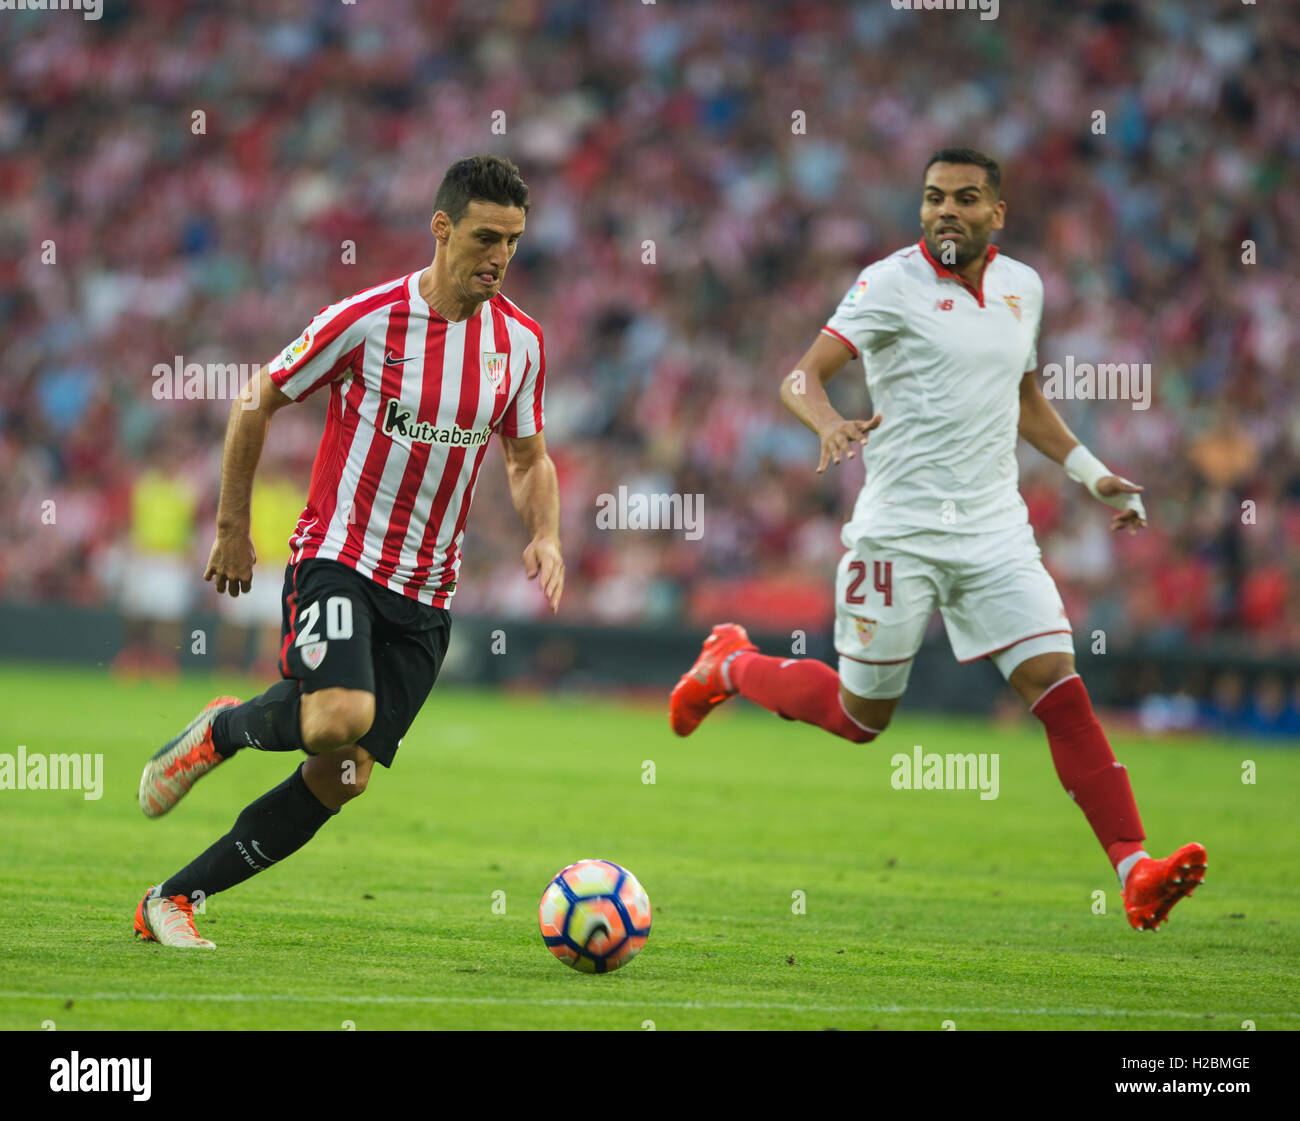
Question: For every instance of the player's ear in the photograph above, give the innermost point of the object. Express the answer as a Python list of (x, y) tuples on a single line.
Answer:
[(440, 226), (999, 214)]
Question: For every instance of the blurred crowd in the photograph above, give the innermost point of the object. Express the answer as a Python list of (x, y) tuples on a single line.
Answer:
[(707, 180)]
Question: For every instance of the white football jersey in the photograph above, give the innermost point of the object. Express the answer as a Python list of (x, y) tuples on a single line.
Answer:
[(943, 364)]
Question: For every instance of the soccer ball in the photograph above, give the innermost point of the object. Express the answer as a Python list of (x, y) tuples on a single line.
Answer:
[(594, 916)]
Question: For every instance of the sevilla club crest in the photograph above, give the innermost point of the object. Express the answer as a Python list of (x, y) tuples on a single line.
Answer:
[(866, 629)]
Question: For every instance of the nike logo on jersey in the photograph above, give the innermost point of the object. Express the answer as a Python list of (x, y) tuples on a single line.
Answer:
[(391, 360)]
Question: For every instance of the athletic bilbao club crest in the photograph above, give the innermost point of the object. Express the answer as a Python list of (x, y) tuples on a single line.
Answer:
[(1013, 302), (866, 629), (313, 654), (494, 366)]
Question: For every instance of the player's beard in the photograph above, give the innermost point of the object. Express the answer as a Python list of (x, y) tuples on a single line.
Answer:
[(968, 249)]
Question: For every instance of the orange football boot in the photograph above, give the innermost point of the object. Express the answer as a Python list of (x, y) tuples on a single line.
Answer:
[(1154, 886), (168, 921), (701, 687), (181, 762)]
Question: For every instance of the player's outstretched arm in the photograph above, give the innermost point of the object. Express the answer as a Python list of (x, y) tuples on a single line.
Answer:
[(803, 392), (535, 492), (232, 558), (1042, 426)]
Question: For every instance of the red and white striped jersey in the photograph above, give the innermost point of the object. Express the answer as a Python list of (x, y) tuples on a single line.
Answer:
[(413, 402)]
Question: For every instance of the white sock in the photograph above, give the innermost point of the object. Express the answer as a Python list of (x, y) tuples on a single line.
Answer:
[(1125, 866), (726, 665)]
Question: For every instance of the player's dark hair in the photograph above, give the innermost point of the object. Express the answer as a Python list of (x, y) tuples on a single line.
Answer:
[(969, 155), (487, 178)]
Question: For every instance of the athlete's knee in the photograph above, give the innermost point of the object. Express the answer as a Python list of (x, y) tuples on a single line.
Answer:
[(354, 765), (1034, 676), (333, 718), (870, 715), (338, 776)]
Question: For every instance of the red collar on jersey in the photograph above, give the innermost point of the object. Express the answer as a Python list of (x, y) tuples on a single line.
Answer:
[(940, 270)]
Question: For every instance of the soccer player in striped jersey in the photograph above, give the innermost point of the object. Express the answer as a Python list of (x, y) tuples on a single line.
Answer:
[(948, 331), (420, 371)]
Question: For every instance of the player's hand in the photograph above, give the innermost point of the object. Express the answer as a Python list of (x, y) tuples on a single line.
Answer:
[(231, 563), (838, 439), (1114, 487), (542, 560)]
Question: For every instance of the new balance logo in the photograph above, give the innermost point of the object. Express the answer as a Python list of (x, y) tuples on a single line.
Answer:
[(943, 305)]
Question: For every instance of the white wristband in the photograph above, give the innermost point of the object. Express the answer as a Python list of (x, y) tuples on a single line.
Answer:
[(1084, 467)]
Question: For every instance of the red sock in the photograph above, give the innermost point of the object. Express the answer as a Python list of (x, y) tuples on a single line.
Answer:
[(797, 689), (1087, 767)]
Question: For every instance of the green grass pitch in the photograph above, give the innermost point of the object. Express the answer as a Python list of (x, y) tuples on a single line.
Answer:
[(920, 907)]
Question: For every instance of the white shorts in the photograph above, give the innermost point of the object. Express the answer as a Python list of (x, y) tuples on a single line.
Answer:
[(156, 587), (261, 605), (996, 598)]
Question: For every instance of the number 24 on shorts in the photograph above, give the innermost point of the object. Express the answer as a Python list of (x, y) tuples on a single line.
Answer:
[(882, 577)]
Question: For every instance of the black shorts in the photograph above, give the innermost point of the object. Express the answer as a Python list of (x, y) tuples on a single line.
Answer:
[(343, 630)]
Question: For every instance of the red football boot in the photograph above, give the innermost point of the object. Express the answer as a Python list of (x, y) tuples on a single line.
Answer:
[(701, 687), (1154, 886)]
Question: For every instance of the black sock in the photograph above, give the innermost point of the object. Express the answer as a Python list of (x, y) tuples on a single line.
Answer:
[(277, 825), (268, 722)]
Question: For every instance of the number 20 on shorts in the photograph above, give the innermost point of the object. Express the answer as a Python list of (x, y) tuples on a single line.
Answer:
[(338, 621)]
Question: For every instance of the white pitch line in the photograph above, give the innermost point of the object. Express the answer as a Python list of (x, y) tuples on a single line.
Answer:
[(685, 1005)]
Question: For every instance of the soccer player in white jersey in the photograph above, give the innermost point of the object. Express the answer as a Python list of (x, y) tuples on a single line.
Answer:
[(948, 332), (421, 371)]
